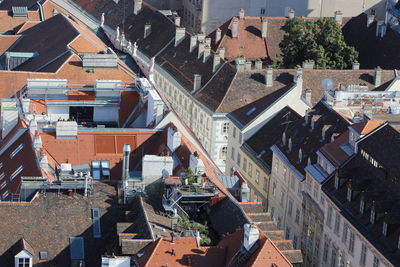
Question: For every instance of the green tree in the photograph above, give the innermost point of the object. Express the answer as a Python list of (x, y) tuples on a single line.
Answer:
[(320, 40)]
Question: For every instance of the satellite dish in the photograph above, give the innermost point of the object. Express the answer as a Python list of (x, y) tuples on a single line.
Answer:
[(327, 84)]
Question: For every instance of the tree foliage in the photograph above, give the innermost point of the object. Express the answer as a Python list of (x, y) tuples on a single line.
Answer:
[(320, 40)]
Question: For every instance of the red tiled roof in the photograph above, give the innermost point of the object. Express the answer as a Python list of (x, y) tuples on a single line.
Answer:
[(6, 41)]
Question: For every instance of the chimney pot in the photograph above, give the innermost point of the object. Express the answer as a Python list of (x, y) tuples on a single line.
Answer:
[(264, 28), (241, 13), (291, 13), (217, 36), (197, 82), (339, 17), (235, 26), (269, 77)]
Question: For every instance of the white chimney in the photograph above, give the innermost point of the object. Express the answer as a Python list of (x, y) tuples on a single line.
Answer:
[(33, 127), (216, 62), (177, 21), (378, 76), (201, 37), (66, 130), (244, 192), (197, 82), (370, 19), (9, 116), (137, 6), (206, 54), (241, 13), (251, 236), (291, 13), (201, 49), (248, 65), (383, 30), (339, 17), (37, 142), (147, 30), (196, 164), (125, 162), (308, 94), (222, 53), (173, 139), (264, 27), (44, 162), (356, 66), (217, 35), (299, 76), (208, 41), (258, 64), (193, 43), (269, 77), (179, 35), (155, 108), (235, 28), (379, 27)]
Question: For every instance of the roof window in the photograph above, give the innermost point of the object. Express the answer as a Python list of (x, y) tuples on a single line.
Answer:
[(19, 11), (16, 172), (15, 152), (43, 255)]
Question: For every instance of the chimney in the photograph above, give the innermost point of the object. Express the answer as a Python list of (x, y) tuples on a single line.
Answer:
[(378, 27), (44, 162), (269, 77), (37, 142), (217, 36), (147, 30), (378, 76), (244, 192), (201, 37), (339, 17), (383, 30), (125, 162), (179, 35), (193, 43), (290, 144), (308, 96), (234, 30), (308, 64), (222, 53), (137, 6), (240, 63), (264, 27), (33, 127), (198, 238), (248, 65), (370, 19), (177, 21), (299, 75), (356, 66), (216, 62), (258, 64), (241, 13), (201, 49), (208, 41), (173, 139), (291, 13), (197, 82), (206, 54)]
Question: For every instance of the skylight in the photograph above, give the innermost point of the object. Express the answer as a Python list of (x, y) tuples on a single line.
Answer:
[(16, 172), (251, 111), (15, 152)]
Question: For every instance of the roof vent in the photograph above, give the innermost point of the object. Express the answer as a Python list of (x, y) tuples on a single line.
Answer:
[(251, 111), (19, 11)]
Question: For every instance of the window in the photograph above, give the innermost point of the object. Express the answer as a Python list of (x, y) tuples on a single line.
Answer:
[(4, 184), (24, 262), (15, 152), (325, 252), (351, 242), (265, 187), (299, 189), (290, 208), (315, 191), (282, 197), (372, 216), (329, 216), (274, 189), (2, 175), (251, 172), (287, 233), (257, 174), (349, 194), (333, 257), (376, 261), (43, 255), (234, 131), (225, 128), (224, 150), (362, 206), (233, 154), (322, 200), (384, 228), (5, 195), (344, 235), (262, 11), (240, 137), (295, 238), (238, 159), (363, 256), (272, 212), (16, 172), (337, 223), (244, 164), (297, 219), (279, 222), (292, 182)]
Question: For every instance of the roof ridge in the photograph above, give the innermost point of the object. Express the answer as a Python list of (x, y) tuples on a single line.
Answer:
[(158, 242)]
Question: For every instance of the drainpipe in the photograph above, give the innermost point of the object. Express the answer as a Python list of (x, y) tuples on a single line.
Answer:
[(40, 11)]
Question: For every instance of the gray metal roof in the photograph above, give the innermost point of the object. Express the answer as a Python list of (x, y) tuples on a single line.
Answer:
[(230, 181)]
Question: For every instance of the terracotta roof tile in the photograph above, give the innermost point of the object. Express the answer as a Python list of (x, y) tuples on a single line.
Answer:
[(6, 41)]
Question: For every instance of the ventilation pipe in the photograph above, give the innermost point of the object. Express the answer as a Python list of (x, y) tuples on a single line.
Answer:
[(125, 163)]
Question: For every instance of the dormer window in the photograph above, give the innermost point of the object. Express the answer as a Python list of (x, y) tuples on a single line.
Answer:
[(349, 193), (372, 219), (362, 206), (384, 228), (24, 262)]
